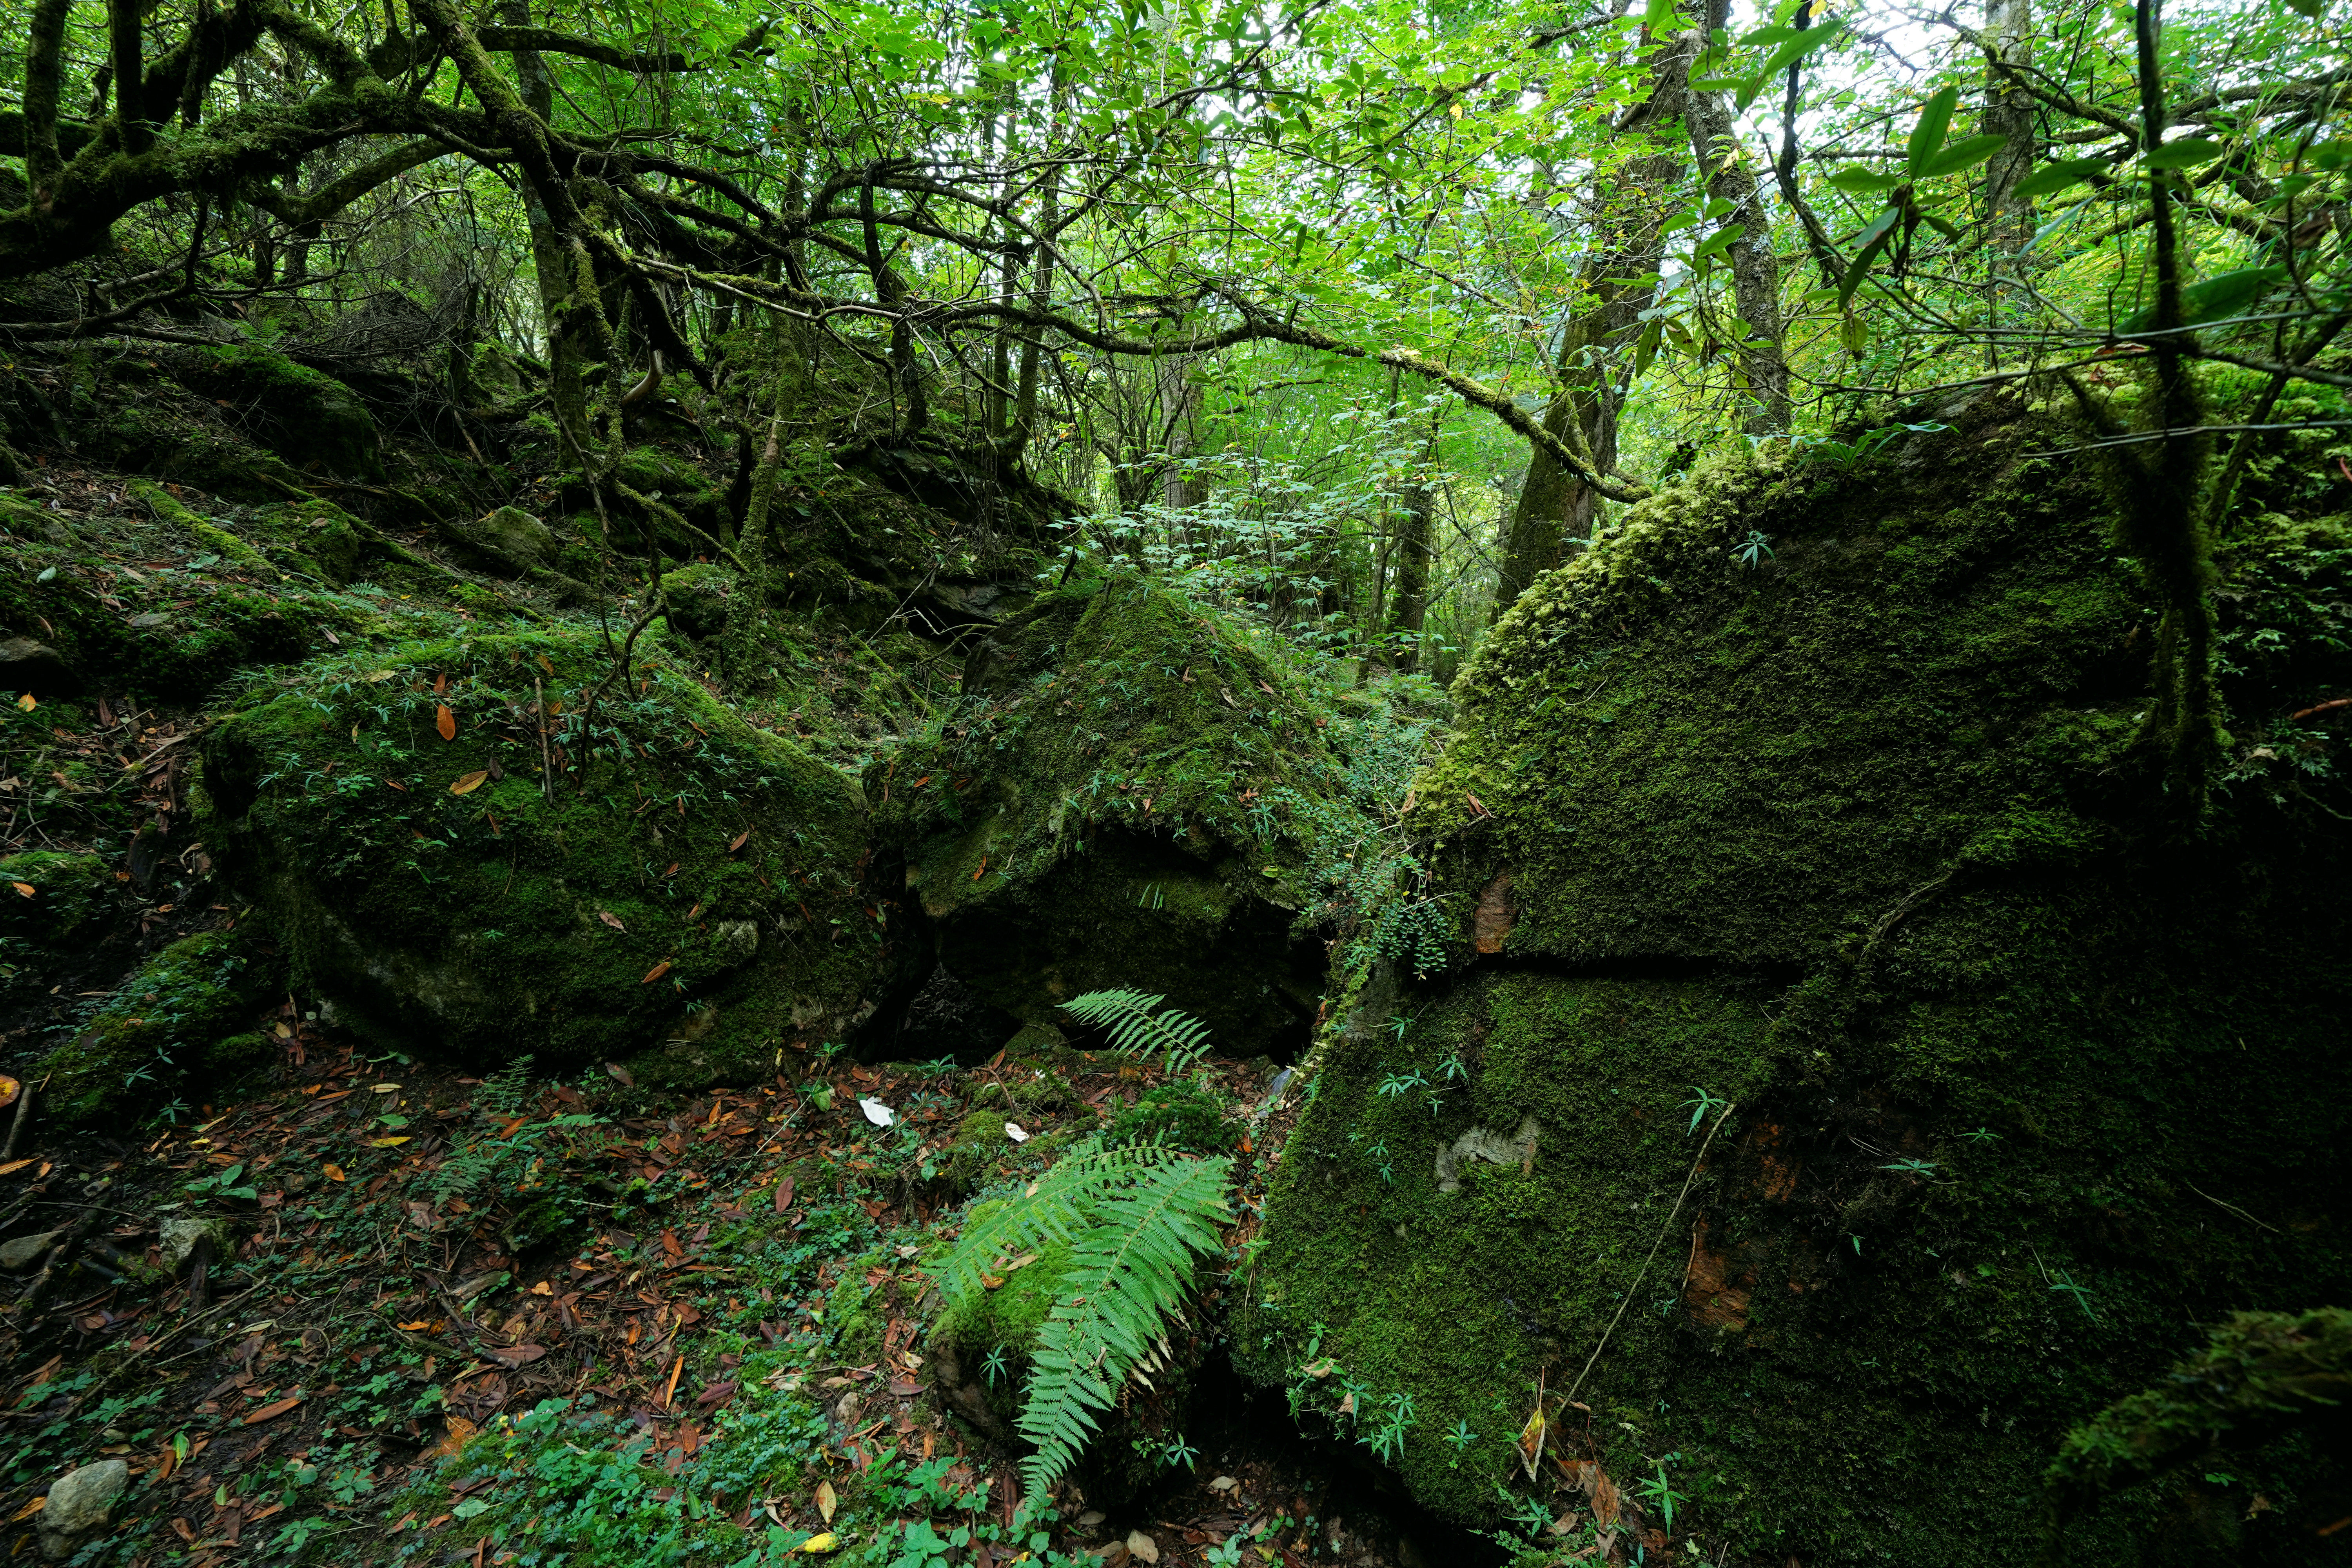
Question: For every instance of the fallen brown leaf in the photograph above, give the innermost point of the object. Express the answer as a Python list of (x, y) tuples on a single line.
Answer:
[(469, 782), (273, 1410), (446, 722), (656, 973), (512, 1356)]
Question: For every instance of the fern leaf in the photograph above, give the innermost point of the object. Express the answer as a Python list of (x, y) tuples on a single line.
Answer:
[(1130, 1272), (1140, 1027), (1056, 1206)]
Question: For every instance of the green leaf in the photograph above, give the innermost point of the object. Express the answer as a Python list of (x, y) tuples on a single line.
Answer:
[(2185, 154), (2305, 7), (1860, 182), (1964, 154), (1875, 240), (1790, 53), (2063, 173), (1718, 83), (1927, 136), (1716, 244)]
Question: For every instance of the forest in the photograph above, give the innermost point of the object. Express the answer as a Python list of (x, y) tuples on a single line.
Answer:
[(943, 783)]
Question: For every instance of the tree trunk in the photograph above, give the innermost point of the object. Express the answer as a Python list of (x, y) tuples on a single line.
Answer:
[(1754, 272), (2007, 112), (550, 263), (1617, 281), (1408, 600)]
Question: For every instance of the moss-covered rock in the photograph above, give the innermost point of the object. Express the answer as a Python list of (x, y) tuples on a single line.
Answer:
[(657, 882), (328, 540), (507, 541), (1854, 839), (55, 898), (1134, 791), (306, 417), (699, 597), (181, 1027)]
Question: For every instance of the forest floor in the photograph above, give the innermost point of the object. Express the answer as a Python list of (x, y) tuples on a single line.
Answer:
[(312, 1394)]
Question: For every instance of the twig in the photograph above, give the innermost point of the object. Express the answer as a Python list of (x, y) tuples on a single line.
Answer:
[(1628, 1298), (22, 1119), (28, 1305), (2231, 1207)]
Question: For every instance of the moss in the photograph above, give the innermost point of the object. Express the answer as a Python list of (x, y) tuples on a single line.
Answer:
[(328, 540), (1183, 1114), (180, 1028), (73, 898), (1132, 791), (2261, 1377), (697, 598), (683, 893), (1855, 840), (309, 418)]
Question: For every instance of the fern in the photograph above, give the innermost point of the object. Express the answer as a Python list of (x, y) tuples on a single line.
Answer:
[(1135, 1218), (1136, 1030)]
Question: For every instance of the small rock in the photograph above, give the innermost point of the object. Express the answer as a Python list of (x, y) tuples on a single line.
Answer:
[(1146, 1550), (181, 1233), (78, 1506), (25, 1251), (518, 536), (35, 666), (1091, 1518)]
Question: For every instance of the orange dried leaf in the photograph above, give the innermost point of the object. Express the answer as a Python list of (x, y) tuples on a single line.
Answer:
[(32, 1508), (25, 889), (469, 782), (446, 722), (739, 841), (826, 1501), (273, 1410), (331, 1171), (656, 973), (460, 1430)]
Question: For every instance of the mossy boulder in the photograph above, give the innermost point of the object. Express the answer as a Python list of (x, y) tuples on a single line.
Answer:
[(1855, 840), (169, 646), (306, 417), (655, 882), (181, 1027), (507, 541), (327, 539), (699, 597), (1134, 790), (55, 898)]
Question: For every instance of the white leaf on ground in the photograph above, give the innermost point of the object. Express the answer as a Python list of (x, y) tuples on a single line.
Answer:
[(1013, 1131), (877, 1112)]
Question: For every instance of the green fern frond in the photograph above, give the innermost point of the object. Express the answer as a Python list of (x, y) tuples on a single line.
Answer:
[(1131, 1271), (1056, 1207), (1140, 1028)]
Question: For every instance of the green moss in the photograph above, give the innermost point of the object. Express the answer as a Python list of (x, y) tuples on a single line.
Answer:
[(179, 1028), (1183, 1114), (1856, 840), (2261, 1377), (73, 898), (309, 418), (683, 893), (1133, 791), (697, 598)]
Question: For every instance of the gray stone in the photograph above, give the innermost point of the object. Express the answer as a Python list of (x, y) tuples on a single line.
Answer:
[(35, 666), (25, 1251), (80, 1504), (181, 1232)]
